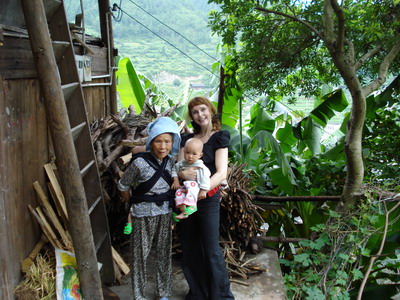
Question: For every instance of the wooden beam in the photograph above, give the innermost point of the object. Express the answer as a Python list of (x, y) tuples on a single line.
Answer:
[(295, 198), (50, 236), (107, 37), (83, 44), (56, 193), (120, 262), (67, 160), (1, 36), (52, 216)]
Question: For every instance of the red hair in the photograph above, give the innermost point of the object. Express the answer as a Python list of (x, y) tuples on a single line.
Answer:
[(216, 123)]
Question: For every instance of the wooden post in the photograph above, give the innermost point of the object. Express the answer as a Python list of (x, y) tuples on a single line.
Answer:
[(107, 38), (1, 36), (221, 92), (67, 160)]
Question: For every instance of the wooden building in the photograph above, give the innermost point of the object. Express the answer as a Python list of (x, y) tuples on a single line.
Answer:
[(32, 131)]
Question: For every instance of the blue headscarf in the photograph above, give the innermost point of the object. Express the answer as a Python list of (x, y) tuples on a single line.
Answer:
[(164, 125)]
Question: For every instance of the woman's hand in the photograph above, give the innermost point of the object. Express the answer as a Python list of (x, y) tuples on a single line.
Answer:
[(189, 174)]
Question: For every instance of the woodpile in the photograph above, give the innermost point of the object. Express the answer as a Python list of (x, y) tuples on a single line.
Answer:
[(54, 222), (241, 225), (115, 137)]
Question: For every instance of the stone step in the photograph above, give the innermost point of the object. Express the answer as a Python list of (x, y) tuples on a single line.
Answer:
[(265, 286)]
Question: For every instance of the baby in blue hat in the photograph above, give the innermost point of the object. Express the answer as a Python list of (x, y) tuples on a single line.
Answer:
[(149, 179)]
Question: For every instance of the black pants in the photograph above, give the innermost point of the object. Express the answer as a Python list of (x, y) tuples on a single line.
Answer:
[(203, 262)]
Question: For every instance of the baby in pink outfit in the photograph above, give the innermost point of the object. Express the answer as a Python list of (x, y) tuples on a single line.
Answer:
[(195, 190)]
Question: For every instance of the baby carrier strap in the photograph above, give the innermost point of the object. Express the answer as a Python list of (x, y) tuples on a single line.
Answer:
[(144, 187)]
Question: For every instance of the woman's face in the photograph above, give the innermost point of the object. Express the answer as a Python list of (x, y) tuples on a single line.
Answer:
[(161, 145), (201, 115)]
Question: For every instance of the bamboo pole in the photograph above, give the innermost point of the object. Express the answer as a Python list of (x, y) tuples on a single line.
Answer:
[(67, 160)]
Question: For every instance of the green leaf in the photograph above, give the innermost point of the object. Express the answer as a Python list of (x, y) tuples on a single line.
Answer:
[(334, 101), (312, 136), (129, 86), (303, 259), (286, 137), (313, 293), (357, 274), (260, 120), (279, 179), (230, 110)]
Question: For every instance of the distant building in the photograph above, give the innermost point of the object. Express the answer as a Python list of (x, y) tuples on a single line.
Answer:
[(198, 86)]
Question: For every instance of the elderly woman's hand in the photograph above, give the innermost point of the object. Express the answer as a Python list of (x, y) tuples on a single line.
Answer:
[(189, 174)]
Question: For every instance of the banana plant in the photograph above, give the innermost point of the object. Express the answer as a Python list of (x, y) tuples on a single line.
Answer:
[(132, 88), (129, 86)]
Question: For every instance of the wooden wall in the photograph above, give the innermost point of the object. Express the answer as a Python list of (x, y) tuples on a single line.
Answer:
[(26, 147), (23, 152), (96, 101)]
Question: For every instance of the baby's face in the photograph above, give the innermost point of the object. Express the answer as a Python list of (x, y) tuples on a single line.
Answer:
[(193, 152)]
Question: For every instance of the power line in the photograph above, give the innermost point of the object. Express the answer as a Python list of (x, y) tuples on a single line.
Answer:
[(167, 42), (174, 31)]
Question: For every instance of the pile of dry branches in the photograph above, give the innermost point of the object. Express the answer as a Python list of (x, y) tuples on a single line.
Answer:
[(241, 223), (113, 139)]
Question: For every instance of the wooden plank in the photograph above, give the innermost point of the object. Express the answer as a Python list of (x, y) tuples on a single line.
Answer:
[(120, 262), (16, 59), (50, 7), (69, 89), (1, 36), (79, 40), (77, 130), (56, 193), (52, 216), (59, 49), (125, 159), (49, 230), (86, 168), (42, 225)]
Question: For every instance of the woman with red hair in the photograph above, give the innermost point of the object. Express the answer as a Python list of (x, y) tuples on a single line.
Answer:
[(203, 261)]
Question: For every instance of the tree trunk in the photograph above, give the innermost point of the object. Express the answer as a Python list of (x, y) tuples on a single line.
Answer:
[(353, 141), (353, 149)]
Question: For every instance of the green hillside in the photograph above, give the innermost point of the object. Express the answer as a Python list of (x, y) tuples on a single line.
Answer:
[(142, 33)]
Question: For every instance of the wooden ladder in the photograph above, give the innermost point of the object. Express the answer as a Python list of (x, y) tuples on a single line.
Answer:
[(77, 114)]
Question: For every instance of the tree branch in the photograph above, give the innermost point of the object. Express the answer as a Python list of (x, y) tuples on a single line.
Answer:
[(327, 21), (274, 12), (373, 258), (295, 198), (383, 69), (341, 20), (367, 56)]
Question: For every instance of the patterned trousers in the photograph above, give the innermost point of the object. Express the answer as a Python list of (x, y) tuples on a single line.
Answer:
[(145, 231)]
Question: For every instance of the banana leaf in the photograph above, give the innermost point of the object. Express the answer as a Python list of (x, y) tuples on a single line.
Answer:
[(335, 101), (129, 85)]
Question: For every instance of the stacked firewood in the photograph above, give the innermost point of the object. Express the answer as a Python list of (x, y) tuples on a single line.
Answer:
[(241, 224), (115, 137)]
